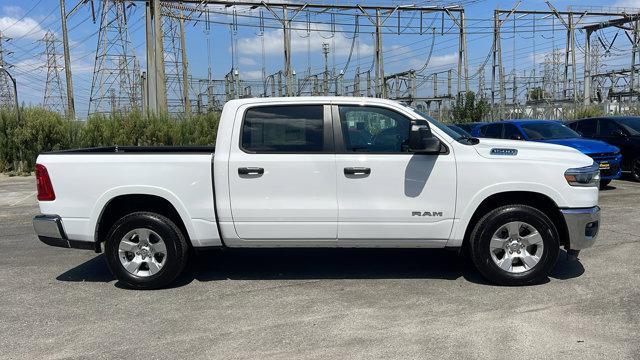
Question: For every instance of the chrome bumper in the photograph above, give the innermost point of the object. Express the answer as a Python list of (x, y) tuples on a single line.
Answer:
[(582, 225), (50, 231)]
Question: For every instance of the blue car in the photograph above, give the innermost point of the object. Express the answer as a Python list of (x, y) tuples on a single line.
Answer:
[(554, 132)]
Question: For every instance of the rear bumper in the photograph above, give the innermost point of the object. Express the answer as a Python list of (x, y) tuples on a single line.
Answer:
[(50, 231), (583, 225)]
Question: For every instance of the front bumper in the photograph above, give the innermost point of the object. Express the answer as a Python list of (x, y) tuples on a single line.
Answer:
[(583, 225), (50, 231), (613, 168)]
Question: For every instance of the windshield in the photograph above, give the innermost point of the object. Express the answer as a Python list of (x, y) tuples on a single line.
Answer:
[(461, 138), (633, 124), (547, 131)]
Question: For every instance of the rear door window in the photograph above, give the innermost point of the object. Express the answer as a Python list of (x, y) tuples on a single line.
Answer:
[(284, 129)]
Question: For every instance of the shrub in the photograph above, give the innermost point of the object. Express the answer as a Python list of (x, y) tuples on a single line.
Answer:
[(40, 130)]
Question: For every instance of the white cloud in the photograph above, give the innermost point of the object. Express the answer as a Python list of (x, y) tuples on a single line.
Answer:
[(274, 42), (251, 75), (246, 61), (627, 4), (38, 65), (442, 60), (12, 10), (27, 27), (436, 61)]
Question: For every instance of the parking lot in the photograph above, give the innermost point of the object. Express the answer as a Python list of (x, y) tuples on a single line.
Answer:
[(328, 304)]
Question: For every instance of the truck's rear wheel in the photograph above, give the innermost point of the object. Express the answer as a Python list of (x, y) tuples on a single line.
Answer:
[(514, 245), (146, 250)]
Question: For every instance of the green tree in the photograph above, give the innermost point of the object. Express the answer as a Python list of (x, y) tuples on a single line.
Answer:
[(468, 108), (537, 94)]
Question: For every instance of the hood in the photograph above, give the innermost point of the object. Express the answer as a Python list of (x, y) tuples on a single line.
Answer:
[(532, 150), (586, 146)]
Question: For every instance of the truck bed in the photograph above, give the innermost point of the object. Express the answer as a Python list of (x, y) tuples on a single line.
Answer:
[(139, 149)]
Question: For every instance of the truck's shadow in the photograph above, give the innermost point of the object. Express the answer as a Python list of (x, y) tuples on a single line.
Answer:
[(299, 264)]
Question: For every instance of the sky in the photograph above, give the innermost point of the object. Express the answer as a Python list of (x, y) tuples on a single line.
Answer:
[(217, 46)]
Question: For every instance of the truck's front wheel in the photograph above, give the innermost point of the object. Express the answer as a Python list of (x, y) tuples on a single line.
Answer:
[(145, 250), (514, 245)]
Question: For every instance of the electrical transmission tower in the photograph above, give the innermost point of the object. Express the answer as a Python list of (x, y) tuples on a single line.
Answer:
[(54, 98), (175, 61), (6, 88), (115, 85)]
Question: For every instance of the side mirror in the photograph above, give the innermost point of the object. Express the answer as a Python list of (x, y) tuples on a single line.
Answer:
[(421, 140)]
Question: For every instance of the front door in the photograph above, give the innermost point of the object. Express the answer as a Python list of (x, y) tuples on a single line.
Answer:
[(282, 175), (387, 195)]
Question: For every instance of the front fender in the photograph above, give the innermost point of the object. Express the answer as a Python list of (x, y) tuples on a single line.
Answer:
[(466, 210)]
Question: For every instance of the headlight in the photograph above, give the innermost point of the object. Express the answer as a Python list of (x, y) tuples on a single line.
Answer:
[(584, 176)]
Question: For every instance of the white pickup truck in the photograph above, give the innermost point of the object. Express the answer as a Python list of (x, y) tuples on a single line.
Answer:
[(322, 172)]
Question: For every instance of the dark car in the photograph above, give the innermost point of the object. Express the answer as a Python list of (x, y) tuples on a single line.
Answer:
[(554, 132), (621, 131), (469, 127)]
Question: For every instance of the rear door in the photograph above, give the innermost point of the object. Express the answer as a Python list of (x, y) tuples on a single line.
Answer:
[(282, 174), (388, 196)]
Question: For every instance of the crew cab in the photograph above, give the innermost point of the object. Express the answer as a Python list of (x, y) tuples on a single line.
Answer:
[(322, 172), (554, 132)]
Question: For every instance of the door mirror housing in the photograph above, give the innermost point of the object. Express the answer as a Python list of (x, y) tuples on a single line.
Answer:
[(421, 139)]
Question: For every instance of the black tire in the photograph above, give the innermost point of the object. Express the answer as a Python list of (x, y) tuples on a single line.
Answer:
[(604, 183), (177, 250), (490, 223), (635, 169)]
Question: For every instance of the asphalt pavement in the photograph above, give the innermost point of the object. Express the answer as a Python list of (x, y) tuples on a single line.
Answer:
[(319, 304)]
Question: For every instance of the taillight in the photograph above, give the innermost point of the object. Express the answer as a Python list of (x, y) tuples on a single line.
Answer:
[(45, 188)]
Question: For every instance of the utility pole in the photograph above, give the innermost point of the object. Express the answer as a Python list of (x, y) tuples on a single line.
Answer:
[(587, 67), (71, 110), (150, 83), (287, 51), (158, 47), (463, 71), (286, 28), (185, 66), (496, 51), (325, 74), (634, 55), (381, 87), (379, 78)]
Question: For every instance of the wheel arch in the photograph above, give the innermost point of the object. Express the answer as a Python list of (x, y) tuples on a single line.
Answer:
[(119, 202), (536, 200)]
